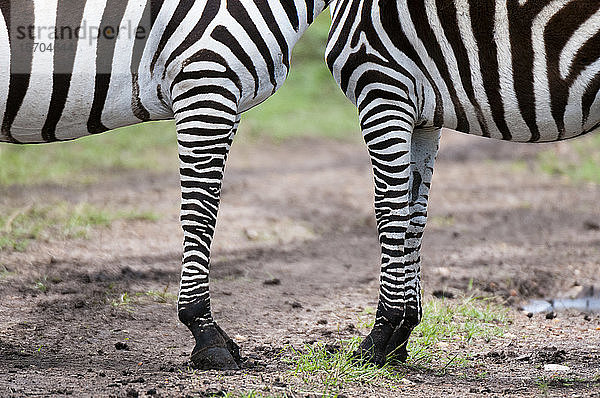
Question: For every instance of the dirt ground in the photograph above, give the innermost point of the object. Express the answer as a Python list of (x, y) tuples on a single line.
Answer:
[(301, 212)]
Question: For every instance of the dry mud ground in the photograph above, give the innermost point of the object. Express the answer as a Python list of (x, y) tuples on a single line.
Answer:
[(301, 212)]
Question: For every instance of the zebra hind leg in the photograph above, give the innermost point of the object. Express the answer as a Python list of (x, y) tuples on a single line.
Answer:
[(206, 119), (387, 128), (424, 147)]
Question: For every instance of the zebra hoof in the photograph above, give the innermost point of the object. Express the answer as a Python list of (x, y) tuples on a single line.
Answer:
[(215, 350), (397, 355), (396, 351), (231, 346), (213, 358), (368, 353)]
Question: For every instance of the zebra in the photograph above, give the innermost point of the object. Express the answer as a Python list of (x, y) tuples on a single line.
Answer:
[(516, 70), (71, 68)]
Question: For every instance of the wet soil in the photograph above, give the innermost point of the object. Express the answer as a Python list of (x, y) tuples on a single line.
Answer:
[(298, 215)]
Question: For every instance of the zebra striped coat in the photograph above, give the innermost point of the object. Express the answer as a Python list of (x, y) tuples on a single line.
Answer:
[(69, 68), (518, 70)]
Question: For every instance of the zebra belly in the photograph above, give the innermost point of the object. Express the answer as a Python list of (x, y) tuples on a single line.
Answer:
[(71, 127), (581, 115), (75, 118)]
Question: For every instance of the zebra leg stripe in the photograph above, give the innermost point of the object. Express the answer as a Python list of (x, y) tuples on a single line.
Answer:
[(424, 147), (206, 119), (387, 130)]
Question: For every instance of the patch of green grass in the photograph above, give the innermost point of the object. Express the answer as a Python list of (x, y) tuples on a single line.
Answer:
[(366, 319), (330, 369), (124, 300), (447, 322), (546, 383), (127, 301), (543, 384), (5, 273), (41, 285), (18, 228), (148, 146), (580, 162), (159, 296)]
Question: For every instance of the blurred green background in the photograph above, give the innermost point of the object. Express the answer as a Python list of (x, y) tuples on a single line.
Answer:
[(310, 103)]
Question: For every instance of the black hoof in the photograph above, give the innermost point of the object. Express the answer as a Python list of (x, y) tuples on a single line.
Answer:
[(213, 358), (231, 346), (368, 353), (398, 355), (215, 350), (396, 351), (383, 345)]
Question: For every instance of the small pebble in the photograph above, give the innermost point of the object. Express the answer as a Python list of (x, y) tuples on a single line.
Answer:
[(530, 315), (553, 367), (440, 294), (550, 315), (591, 225), (272, 282), (132, 393), (121, 346)]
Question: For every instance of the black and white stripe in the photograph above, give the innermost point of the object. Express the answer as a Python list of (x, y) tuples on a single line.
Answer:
[(202, 62), (518, 70)]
